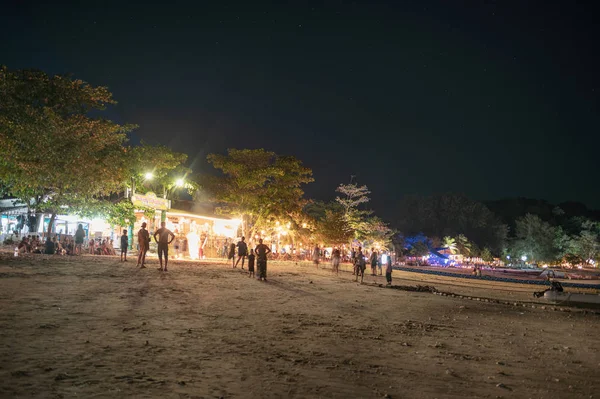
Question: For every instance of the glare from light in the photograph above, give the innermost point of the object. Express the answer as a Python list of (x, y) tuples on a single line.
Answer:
[(523, 258), (179, 183), (149, 176)]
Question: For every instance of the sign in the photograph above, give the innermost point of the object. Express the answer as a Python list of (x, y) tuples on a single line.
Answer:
[(150, 200)]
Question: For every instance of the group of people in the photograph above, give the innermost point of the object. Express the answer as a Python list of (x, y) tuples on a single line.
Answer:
[(53, 245), (165, 237), (258, 255), (359, 262)]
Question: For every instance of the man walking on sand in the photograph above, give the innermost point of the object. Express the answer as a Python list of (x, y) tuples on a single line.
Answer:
[(144, 243), (261, 256), (163, 244), (242, 252)]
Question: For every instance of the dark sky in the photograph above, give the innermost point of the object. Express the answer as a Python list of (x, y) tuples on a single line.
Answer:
[(492, 99)]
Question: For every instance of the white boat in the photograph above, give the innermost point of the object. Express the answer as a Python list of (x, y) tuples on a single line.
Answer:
[(567, 298)]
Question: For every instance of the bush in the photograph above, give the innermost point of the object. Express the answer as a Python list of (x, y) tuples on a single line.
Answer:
[(9, 241)]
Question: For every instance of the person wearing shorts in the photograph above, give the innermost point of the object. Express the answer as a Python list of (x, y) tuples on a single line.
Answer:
[(163, 242), (144, 243)]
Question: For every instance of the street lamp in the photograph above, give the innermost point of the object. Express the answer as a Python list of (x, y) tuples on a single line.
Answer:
[(179, 183), (149, 176), (523, 258)]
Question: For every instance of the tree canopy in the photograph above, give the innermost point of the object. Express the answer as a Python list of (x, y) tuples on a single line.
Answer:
[(54, 153)]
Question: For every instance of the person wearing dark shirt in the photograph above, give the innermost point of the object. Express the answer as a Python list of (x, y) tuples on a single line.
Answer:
[(144, 243), (163, 244), (251, 258), (124, 245), (262, 251), (79, 236), (242, 252), (50, 248)]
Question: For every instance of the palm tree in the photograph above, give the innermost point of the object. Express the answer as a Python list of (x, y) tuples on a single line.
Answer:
[(463, 245), (450, 244)]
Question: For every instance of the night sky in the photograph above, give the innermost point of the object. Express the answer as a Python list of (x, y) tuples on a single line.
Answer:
[(491, 99)]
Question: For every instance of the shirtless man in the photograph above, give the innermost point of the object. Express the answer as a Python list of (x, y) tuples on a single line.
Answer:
[(163, 243)]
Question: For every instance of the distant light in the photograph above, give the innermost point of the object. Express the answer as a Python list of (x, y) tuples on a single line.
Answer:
[(149, 176), (303, 225), (523, 258), (544, 266), (507, 256), (580, 267), (179, 183)]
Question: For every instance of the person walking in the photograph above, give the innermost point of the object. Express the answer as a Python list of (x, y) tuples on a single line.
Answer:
[(262, 251), (373, 261), (79, 236), (144, 243), (251, 258), (316, 255), (335, 260), (231, 254), (163, 244), (242, 252), (124, 246), (388, 270)]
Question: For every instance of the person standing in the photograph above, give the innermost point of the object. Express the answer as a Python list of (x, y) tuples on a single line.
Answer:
[(261, 253), (79, 236), (163, 242), (231, 254), (251, 258), (388, 270), (316, 255), (144, 243), (335, 260), (193, 240), (373, 261), (242, 252), (360, 265), (124, 246)]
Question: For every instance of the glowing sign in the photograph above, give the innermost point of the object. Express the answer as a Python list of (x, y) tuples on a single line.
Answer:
[(150, 200)]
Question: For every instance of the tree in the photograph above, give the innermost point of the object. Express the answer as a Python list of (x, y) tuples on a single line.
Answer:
[(450, 215), (486, 255), (463, 245), (419, 249), (258, 186), (331, 226), (161, 170), (534, 239), (450, 244), (54, 154), (586, 244), (352, 197)]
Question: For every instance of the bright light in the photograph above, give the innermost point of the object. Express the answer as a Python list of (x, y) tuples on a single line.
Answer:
[(544, 266), (507, 256), (523, 258), (179, 183), (149, 176), (303, 225), (580, 267)]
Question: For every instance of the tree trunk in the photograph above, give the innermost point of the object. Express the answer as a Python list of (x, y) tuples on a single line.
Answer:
[(51, 223)]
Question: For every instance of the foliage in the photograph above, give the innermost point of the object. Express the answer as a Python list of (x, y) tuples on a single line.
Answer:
[(534, 239), (463, 245), (451, 215), (420, 248), (330, 224), (586, 244), (53, 152), (486, 255), (165, 167), (258, 186), (450, 244)]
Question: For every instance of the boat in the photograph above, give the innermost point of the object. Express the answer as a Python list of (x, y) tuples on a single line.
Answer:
[(572, 299)]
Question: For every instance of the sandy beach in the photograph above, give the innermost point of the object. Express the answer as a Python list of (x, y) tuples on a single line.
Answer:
[(94, 327)]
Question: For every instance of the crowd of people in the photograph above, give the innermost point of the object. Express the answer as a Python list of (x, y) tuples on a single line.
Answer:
[(164, 237)]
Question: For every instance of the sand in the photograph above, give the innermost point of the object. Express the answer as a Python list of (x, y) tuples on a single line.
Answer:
[(94, 327)]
